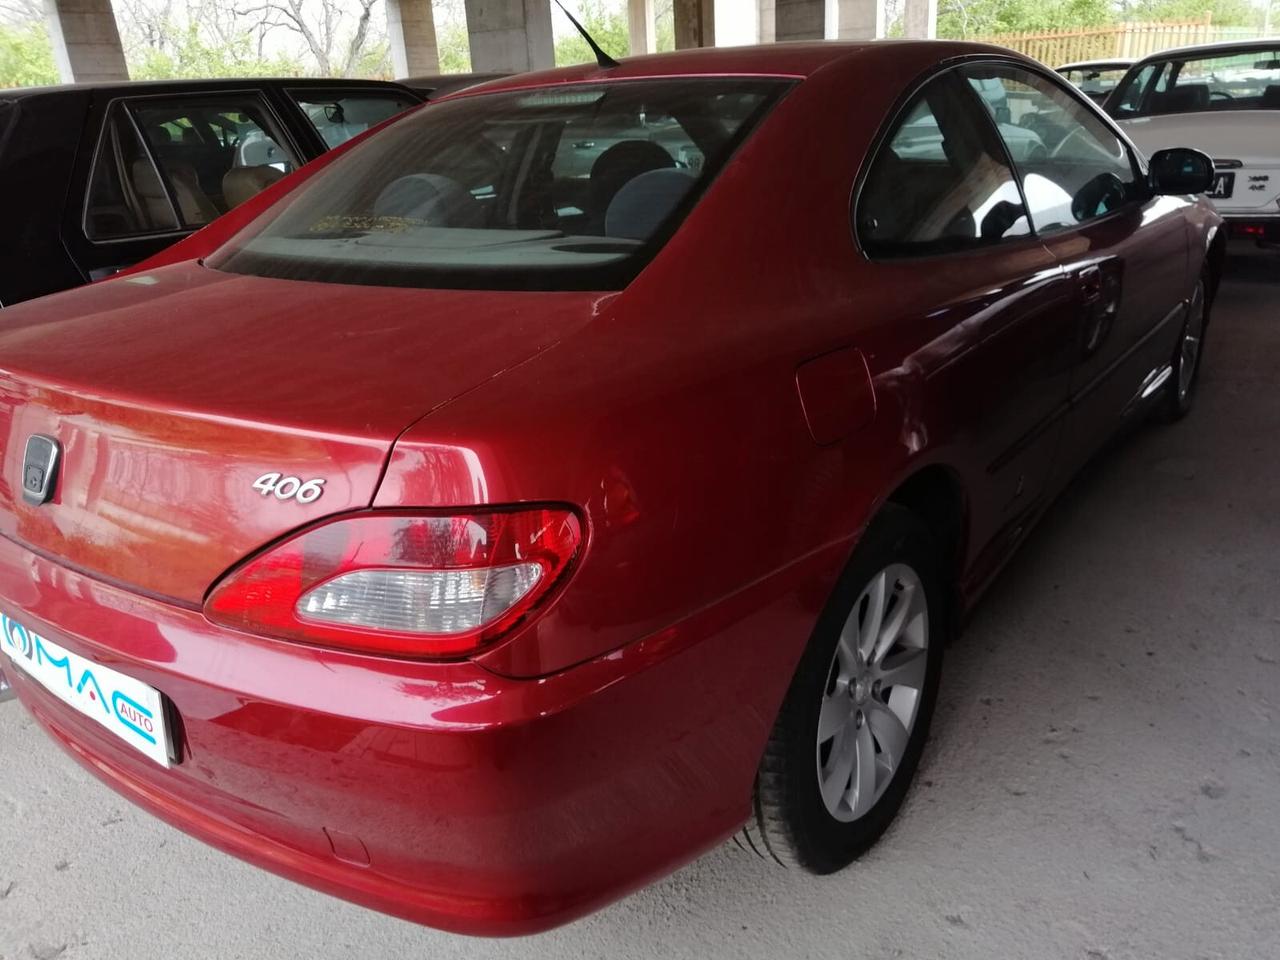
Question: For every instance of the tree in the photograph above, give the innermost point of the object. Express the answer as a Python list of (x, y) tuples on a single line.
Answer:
[(187, 54), (978, 18), (608, 27), (26, 58), (1224, 13), (322, 25)]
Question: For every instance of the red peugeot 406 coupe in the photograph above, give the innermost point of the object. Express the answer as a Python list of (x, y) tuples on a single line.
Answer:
[(512, 505)]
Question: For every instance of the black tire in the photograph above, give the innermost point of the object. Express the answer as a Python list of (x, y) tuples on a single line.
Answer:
[(791, 822), (1180, 394)]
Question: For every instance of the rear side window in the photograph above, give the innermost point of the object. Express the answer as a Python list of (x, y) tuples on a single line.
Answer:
[(213, 152), (1073, 168), (940, 182), (555, 188), (338, 116), (126, 195)]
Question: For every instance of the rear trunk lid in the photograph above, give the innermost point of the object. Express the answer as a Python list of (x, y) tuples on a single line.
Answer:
[(1245, 144), (171, 393)]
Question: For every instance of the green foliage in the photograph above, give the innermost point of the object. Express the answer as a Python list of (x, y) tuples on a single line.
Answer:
[(454, 48), (607, 26), (976, 18), (191, 57), (1226, 13), (26, 58), (374, 61)]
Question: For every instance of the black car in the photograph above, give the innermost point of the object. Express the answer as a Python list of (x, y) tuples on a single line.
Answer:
[(97, 177), (433, 86)]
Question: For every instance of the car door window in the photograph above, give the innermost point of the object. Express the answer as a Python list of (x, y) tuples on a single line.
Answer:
[(213, 152), (1073, 167), (338, 116), (126, 197), (1133, 88), (939, 182)]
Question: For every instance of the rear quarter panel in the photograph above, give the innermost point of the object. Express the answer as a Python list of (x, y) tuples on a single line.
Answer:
[(673, 419)]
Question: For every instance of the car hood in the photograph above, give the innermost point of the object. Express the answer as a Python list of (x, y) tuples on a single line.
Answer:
[(170, 393), (1250, 136)]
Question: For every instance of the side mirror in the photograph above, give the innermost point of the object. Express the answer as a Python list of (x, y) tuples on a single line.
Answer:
[(1179, 171)]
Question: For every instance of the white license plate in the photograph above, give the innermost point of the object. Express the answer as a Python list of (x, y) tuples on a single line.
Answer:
[(1223, 186), (126, 707)]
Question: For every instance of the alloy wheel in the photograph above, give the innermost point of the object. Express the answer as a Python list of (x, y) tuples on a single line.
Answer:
[(873, 692)]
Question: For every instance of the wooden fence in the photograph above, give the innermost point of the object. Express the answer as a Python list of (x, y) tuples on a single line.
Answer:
[(1056, 47)]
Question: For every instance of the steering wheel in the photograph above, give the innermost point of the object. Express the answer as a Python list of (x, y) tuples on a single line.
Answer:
[(1221, 94)]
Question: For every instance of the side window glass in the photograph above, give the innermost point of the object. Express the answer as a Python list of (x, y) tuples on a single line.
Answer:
[(338, 118), (126, 196), (214, 153), (1073, 167), (1133, 93), (940, 182)]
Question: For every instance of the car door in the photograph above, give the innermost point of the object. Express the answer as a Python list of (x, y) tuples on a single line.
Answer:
[(160, 167), (1124, 250), (941, 214)]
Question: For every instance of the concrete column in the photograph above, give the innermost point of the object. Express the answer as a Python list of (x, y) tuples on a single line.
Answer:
[(411, 32), (854, 19), (799, 19), (86, 43), (510, 36), (920, 19), (768, 21), (643, 33), (695, 23)]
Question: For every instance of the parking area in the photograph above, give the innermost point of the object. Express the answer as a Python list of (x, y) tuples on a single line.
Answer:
[(1103, 779)]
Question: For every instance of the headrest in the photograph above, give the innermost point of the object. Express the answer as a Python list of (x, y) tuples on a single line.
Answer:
[(241, 183), (644, 202), (145, 180), (429, 197)]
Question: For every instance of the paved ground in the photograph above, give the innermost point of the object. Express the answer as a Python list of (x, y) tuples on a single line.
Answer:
[(1103, 783)]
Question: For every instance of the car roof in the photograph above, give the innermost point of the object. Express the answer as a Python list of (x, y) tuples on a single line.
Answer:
[(1104, 62), (146, 87), (439, 84), (797, 60), (1223, 46)]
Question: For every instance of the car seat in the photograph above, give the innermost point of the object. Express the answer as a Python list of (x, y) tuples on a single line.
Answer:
[(194, 205), (241, 183), (613, 169)]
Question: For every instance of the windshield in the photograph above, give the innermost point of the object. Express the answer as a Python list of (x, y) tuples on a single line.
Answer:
[(1229, 80), (1096, 81), (568, 187)]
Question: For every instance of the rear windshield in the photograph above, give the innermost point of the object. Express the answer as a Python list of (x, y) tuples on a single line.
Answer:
[(1240, 80), (554, 188)]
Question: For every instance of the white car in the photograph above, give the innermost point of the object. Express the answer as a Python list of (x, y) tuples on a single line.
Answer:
[(1224, 99), (1096, 78)]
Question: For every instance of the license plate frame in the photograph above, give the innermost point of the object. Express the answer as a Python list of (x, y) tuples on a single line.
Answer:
[(131, 710), (1224, 185)]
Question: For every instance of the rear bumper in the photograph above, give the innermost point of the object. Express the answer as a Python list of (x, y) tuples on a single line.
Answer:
[(441, 793)]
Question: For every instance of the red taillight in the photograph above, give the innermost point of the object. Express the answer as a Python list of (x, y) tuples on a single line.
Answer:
[(409, 585)]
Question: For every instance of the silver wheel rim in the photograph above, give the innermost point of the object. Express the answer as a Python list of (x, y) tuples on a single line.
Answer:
[(1192, 334), (872, 694)]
